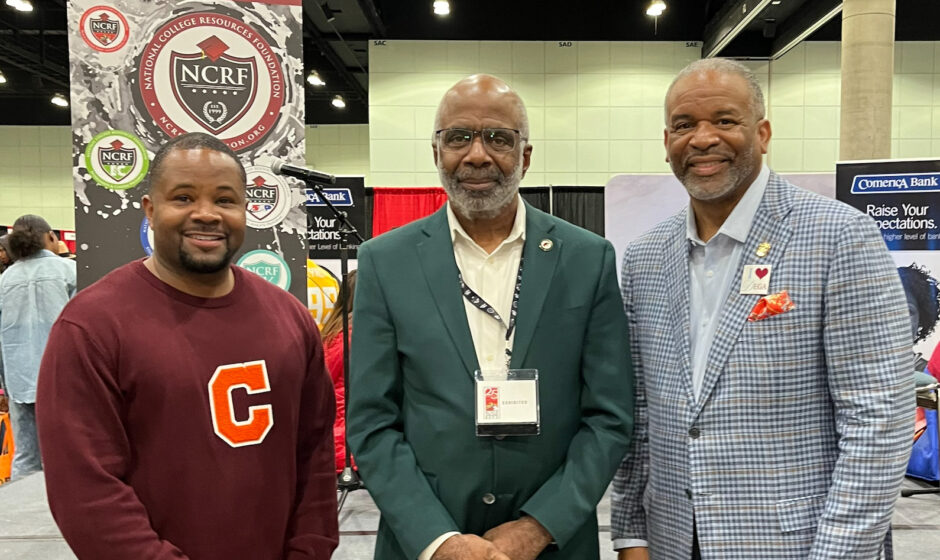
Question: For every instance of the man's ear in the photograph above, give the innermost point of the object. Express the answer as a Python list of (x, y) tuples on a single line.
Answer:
[(526, 158), (147, 203)]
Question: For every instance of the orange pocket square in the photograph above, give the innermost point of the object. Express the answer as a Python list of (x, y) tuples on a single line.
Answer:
[(771, 305)]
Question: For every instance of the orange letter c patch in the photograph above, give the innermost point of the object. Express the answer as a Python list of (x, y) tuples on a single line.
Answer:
[(253, 376)]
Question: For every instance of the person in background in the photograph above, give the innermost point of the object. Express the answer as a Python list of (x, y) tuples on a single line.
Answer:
[(63, 250), (184, 407), (5, 258), (332, 335), (773, 354), (5, 261), (33, 290)]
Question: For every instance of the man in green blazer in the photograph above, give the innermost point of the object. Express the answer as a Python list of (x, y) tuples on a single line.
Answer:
[(487, 283)]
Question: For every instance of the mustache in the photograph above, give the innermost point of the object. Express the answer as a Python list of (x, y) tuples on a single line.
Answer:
[(489, 174), (706, 153), (204, 229)]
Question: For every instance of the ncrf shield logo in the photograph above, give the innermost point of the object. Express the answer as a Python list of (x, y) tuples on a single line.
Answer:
[(117, 160), (213, 87), (207, 72), (268, 196), (105, 29), (262, 198)]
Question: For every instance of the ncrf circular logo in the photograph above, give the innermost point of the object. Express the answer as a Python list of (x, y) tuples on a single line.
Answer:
[(268, 198), (104, 29), (146, 236), (116, 159), (268, 265), (204, 72)]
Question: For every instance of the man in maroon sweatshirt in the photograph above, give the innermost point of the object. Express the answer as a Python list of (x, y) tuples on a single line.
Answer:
[(183, 407)]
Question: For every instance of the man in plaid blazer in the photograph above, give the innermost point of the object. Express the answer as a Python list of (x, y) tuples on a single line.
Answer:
[(774, 423)]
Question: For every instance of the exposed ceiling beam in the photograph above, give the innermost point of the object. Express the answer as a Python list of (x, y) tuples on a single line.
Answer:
[(46, 32), (372, 14), (348, 37), (804, 23), (728, 23), (330, 54), (26, 60)]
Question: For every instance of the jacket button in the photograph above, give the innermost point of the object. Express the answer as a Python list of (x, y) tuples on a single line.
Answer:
[(489, 499), (694, 433), (688, 493)]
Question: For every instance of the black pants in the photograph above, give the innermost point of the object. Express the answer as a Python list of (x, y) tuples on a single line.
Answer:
[(696, 553)]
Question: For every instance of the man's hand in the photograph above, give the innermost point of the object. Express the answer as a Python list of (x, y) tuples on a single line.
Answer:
[(468, 547), (634, 553), (522, 539)]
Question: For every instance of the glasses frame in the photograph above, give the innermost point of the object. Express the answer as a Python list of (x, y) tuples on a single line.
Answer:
[(473, 135)]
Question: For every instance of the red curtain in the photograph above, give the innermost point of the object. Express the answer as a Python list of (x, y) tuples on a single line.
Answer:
[(394, 207)]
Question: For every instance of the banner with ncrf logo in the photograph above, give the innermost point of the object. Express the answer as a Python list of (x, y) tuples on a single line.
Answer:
[(143, 72)]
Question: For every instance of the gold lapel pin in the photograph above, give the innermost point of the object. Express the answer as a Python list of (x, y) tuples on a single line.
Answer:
[(546, 245), (763, 249)]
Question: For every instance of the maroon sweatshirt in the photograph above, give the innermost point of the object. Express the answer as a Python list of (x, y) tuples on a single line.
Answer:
[(173, 426)]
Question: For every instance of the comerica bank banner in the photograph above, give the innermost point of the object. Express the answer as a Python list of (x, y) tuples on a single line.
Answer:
[(911, 182), (143, 72), (900, 195)]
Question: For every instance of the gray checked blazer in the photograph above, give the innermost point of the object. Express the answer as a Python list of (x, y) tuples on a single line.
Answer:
[(798, 443)]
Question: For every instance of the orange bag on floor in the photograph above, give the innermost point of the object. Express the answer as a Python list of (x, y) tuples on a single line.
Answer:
[(6, 447)]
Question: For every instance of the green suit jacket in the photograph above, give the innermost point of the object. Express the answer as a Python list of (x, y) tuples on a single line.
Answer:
[(411, 390)]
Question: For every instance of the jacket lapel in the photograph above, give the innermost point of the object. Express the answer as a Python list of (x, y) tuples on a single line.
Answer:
[(436, 252), (769, 226), (538, 270), (676, 273)]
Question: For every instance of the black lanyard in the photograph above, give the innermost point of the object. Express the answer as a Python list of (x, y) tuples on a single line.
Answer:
[(477, 301)]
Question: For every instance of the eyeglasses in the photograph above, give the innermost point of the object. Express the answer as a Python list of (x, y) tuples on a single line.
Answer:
[(495, 140)]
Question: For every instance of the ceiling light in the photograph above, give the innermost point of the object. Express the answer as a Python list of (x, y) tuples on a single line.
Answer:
[(656, 8), (339, 102), (21, 5), (441, 7), (314, 79), (59, 100), (775, 2), (3, 78)]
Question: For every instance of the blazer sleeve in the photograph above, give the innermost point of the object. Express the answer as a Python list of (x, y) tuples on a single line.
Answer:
[(375, 422), (627, 514), (870, 365), (569, 497)]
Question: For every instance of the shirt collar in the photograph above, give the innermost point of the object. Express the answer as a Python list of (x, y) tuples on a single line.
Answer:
[(517, 231), (42, 253), (738, 223)]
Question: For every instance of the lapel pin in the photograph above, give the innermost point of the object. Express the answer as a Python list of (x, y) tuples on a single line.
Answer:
[(546, 245), (763, 249)]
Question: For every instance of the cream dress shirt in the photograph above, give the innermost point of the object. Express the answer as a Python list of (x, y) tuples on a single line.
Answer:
[(493, 277)]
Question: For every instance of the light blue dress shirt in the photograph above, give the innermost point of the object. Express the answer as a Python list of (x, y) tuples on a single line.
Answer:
[(712, 268), (33, 292)]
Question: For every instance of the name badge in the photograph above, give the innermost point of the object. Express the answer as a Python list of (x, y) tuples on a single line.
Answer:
[(755, 279), (507, 402)]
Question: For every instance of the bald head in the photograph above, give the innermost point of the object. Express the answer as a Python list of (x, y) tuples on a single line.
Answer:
[(487, 93), (718, 68)]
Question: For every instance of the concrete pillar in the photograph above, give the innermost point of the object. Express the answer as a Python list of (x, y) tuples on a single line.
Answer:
[(867, 78)]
